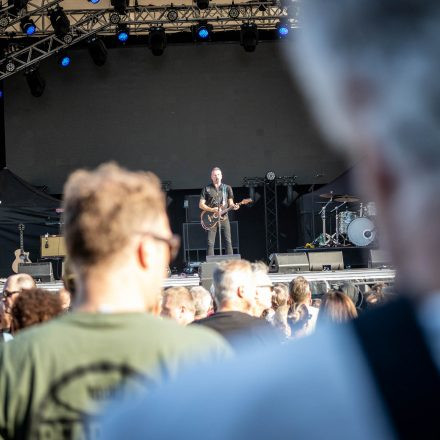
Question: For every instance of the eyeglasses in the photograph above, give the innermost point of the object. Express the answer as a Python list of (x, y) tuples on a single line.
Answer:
[(9, 293), (173, 242)]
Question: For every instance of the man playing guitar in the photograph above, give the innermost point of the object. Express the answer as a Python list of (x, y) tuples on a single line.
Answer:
[(215, 197)]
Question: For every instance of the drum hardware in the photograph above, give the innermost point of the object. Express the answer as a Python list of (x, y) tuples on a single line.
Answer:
[(324, 239), (329, 195)]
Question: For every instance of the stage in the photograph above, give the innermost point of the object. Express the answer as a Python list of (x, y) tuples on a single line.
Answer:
[(357, 276)]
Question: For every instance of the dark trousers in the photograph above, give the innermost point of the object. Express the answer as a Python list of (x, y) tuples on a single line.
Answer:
[(226, 237)]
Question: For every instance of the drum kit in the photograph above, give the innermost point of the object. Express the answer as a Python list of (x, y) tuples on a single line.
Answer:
[(354, 225)]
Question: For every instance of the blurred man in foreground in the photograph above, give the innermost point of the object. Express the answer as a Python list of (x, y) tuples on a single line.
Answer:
[(56, 377), (371, 70)]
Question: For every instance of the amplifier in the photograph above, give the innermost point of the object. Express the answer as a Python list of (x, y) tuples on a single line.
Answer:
[(52, 246), (39, 271)]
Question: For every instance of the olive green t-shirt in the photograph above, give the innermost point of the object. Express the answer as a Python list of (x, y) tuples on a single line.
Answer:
[(55, 377)]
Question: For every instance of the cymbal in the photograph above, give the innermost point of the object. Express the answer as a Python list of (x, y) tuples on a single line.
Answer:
[(346, 198), (328, 195)]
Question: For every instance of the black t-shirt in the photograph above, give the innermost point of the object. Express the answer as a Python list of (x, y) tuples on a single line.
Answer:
[(212, 196), (241, 329)]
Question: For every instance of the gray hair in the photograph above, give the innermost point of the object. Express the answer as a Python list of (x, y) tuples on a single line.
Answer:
[(203, 300), (373, 65), (228, 276), (260, 267)]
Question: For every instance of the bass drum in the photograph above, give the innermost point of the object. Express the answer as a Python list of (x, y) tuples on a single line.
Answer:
[(361, 231)]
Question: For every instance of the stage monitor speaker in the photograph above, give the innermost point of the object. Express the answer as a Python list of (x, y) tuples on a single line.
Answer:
[(379, 259), (332, 260), (38, 271), (289, 263), (218, 258)]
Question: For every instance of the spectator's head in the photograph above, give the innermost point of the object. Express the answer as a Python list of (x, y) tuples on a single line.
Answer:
[(375, 296), (352, 291), (177, 304), (234, 286), (299, 291), (280, 295), (319, 288), (336, 307), (263, 290), (34, 307), (203, 302), (14, 285), (371, 68), (116, 228)]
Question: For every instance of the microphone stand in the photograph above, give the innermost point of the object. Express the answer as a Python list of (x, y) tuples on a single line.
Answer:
[(219, 225)]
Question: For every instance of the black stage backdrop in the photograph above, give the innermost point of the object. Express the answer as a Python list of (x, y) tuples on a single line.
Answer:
[(196, 107)]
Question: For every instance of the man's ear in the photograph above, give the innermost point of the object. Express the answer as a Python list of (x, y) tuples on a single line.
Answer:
[(144, 253)]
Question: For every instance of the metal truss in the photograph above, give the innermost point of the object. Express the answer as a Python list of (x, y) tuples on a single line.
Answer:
[(10, 19), (271, 217), (29, 57), (141, 18), (88, 22)]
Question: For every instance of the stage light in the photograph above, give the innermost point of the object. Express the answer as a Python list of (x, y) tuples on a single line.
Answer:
[(10, 66), (115, 18), (283, 28), (157, 40), (270, 176), (59, 22), (1, 94), (120, 6), (249, 36), (202, 4), (234, 12), (97, 51), (28, 26), (93, 2), (172, 14), (36, 82), (4, 21), (64, 60), (20, 4), (122, 33), (202, 31)]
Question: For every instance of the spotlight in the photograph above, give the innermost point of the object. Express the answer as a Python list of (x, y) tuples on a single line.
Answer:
[(157, 40), (122, 33), (20, 4), (249, 36), (59, 22), (93, 2), (97, 51), (283, 28), (1, 94), (115, 18), (64, 60), (28, 26), (172, 14), (202, 4), (36, 82), (234, 12), (10, 66), (202, 31), (270, 176), (120, 6), (4, 21)]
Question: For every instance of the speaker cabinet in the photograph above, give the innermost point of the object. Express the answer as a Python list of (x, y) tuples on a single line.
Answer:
[(289, 263), (219, 258), (379, 259), (332, 260), (38, 271), (52, 246)]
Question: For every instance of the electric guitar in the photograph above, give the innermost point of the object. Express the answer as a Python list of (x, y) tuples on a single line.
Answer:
[(20, 255), (209, 220)]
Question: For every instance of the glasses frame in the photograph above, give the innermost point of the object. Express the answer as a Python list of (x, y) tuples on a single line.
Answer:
[(173, 243), (9, 293)]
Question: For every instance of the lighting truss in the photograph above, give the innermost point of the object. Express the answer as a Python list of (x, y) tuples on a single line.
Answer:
[(139, 19), (90, 24)]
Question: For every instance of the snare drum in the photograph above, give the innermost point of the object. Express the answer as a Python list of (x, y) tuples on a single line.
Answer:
[(345, 218)]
